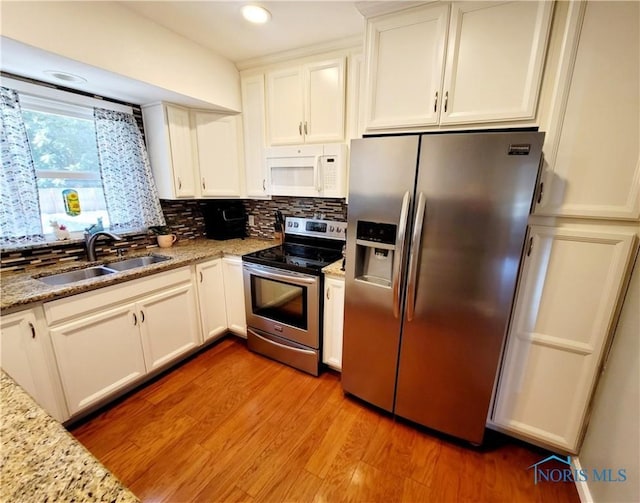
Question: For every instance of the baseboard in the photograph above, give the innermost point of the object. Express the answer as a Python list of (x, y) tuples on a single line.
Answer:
[(581, 486)]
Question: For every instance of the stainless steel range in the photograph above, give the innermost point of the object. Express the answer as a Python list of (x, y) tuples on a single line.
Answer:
[(282, 288)]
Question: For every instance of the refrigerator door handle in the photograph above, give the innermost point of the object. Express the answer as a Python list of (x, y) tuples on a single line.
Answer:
[(397, 265), (413, 256)]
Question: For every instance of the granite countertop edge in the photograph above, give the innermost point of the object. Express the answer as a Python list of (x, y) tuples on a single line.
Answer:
[(19, 289), (334, 270), (41, 461)]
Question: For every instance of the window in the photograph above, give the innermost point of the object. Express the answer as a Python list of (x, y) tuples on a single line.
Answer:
[(62, 139), (73, 159)]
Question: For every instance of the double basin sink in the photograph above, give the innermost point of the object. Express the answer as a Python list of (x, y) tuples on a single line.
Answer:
[(65, 278)]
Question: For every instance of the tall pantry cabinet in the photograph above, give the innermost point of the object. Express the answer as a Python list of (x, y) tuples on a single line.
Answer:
[(585, 231)]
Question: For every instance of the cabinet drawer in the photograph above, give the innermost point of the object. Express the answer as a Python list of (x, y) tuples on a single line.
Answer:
[(78, 305)]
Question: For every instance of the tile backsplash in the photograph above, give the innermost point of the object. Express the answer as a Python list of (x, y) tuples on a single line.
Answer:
[(308, 207), (185, 219)]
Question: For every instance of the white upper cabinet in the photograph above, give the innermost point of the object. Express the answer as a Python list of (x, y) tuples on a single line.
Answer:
[(193, 153), (494, 58), (405, 64), (217, 144), (565, 310), (168, 134), (593, 141), (253, 114), (494, 64), (306, 103)]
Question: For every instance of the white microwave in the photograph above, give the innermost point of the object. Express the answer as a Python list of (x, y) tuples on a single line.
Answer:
[(308, 170)]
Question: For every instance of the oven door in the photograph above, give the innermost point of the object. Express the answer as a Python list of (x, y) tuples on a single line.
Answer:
[(283, 303)]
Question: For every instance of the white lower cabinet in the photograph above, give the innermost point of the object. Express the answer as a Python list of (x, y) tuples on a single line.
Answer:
[(98, 355), (333, 322), (168, 325), (564, 312), (26, 356), (234, 295), (213, 307), (110, 338)]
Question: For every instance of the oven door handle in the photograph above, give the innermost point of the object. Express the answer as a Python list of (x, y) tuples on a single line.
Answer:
[(281, 277), (292, 348)]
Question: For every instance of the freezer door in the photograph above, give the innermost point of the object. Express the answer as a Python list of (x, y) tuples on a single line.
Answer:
[(382, 178), (476, 192)]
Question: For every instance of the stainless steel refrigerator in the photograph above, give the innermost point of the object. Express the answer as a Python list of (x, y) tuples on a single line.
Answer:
[(436, 230)]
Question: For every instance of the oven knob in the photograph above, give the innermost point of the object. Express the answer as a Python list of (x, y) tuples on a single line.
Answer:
[(295, 224), (339, 230), (332, 228)]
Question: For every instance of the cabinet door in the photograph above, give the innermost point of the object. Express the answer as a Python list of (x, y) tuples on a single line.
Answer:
[(324, 100), (26, 356), (405, 64), (168, 324), (253, 122), (213, 308), (182, 158), (284, 107), (218, 154), (494, 65), (234, 295), (564, 312), (98, 355), (593, 143), (333, 322)]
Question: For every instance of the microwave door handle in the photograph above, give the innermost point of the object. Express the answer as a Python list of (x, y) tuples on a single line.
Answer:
[(317, 174), (399, 255)]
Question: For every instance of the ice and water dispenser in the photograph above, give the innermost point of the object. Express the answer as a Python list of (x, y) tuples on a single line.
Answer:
[(375, 249)]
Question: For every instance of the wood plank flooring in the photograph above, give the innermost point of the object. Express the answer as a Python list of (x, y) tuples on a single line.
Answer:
[(230, 425)]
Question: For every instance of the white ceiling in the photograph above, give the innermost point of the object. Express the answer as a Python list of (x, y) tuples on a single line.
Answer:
[(219, 26)]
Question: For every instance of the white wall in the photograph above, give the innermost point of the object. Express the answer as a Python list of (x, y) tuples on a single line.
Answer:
[(613, 435), (110, 36)]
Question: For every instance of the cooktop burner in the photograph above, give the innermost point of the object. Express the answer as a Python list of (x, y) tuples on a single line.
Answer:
[(309, 246)]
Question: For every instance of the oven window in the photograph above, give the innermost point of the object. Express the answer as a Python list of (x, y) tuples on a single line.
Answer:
[(278, 301)]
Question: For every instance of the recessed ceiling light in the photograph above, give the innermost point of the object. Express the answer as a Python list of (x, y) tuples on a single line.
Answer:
[(256, 14), (64, 76)]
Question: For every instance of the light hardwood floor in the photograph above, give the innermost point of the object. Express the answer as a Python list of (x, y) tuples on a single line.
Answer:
[(229, 425)]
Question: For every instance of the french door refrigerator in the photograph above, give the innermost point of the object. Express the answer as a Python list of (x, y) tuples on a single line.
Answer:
[(436, 230)]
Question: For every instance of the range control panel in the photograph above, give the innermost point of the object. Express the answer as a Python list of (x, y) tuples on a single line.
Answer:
[(310, 227)]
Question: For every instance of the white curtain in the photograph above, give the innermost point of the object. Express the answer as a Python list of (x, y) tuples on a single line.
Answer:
[(129, 189), (20, 222)]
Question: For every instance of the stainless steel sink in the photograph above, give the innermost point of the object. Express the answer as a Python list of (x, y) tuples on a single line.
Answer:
[(72, 276), (132, 263)]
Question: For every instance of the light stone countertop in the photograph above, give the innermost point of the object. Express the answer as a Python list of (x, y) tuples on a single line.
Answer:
[(22, 288), (41, 461), (334, 269)]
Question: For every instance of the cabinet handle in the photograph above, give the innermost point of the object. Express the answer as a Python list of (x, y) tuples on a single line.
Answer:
[(435, 103), (446, 101), (305, 128), (300, 128), (204, 185), (328, 294), (530, 246), (135, 319), (33, 330), (540, 192), (201, 277), (179, 183), (264, 186), (142, 316)]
